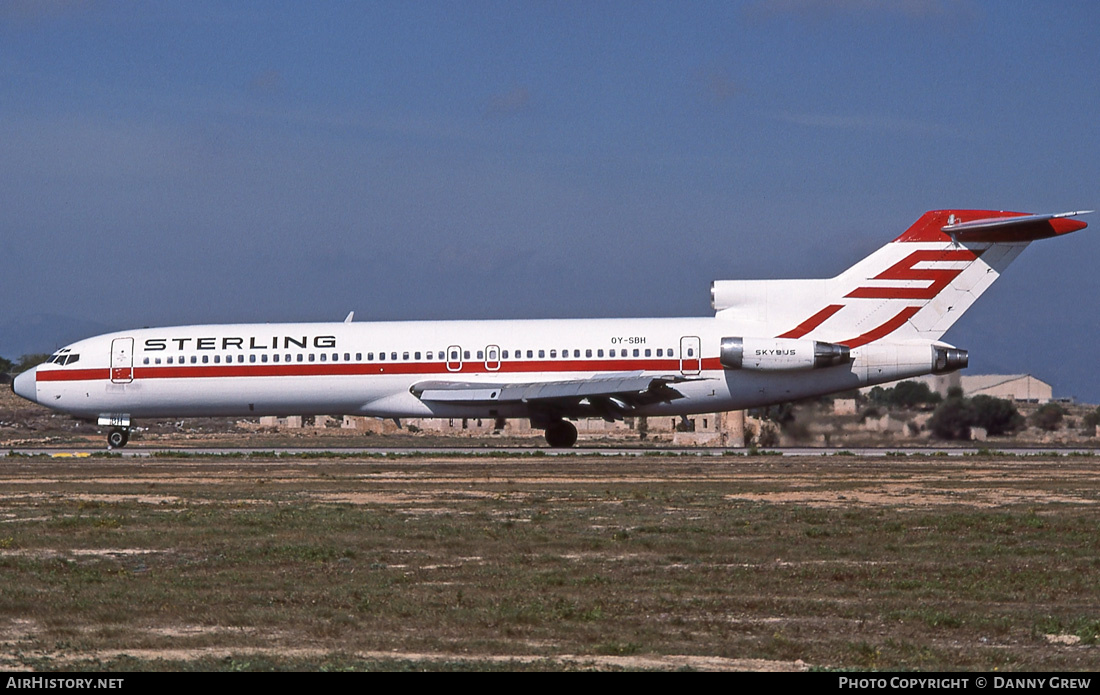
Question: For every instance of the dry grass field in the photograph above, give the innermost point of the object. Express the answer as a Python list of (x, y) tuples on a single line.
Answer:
[(549, 563)]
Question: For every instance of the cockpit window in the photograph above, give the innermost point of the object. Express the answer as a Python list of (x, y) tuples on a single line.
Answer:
[(63, 357)]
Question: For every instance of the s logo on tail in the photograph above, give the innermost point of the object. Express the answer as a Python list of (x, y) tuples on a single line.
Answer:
[(913, 288)]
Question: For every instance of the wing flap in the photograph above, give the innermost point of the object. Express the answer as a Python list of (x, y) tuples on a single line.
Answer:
[(632, 386)]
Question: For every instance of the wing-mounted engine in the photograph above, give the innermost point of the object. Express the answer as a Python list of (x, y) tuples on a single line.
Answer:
[(781, 354)]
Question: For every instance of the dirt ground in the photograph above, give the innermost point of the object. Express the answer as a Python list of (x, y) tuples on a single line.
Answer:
[(501, 561), (722, 563)]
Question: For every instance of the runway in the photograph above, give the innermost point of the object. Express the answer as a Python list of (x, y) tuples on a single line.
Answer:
[(702, 452)]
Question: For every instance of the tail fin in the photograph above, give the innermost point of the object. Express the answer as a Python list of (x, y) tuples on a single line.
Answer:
[(915, 287)]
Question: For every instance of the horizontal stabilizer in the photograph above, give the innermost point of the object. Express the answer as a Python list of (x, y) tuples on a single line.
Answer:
[(1015, 228)]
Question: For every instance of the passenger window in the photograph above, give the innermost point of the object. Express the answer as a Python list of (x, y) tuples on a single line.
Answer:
[(218, 359), (504, 355), (381, 357), (347, 357), (416, 356), (587, 353), (636, 352), (599, 353), (324, 357), (206, 359), (465, 354), (577, 353), (252, 358), (358, 357), (263, 358), (530, 354), (393, 356), (481, 354), (405, 356), (648, 352), (300, 357), (553, 354), (542, 354), (612, 352)]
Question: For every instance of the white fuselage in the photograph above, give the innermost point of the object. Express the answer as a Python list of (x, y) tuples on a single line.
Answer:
[(370, 368)]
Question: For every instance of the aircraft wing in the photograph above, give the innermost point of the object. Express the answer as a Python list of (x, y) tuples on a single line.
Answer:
[(621, 392)]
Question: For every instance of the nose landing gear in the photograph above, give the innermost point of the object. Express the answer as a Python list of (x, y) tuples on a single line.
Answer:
[(119, 433)]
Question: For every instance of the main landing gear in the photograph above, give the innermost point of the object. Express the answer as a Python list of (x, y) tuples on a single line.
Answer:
[(561, 434), (117, 437)]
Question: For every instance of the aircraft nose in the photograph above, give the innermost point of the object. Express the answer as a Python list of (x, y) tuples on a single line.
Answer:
[(25, 384)]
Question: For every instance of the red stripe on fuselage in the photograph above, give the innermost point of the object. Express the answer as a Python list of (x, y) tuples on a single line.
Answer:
[(72, 374), (208, 371)]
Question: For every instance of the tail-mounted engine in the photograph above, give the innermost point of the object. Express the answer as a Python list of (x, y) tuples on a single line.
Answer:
[(781, 354), (948, 359)]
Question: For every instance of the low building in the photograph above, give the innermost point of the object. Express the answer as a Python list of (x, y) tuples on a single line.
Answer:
[(1014, 387)]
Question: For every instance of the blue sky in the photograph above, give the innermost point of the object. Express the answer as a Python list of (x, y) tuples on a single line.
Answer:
[(215, 162)]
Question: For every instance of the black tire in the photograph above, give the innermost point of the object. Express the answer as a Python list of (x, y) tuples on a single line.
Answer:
[(117, 438), (561, 435)]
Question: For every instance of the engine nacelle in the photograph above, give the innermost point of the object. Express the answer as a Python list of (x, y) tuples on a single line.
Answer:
[(947, 359), (781, 354), (880, 362)]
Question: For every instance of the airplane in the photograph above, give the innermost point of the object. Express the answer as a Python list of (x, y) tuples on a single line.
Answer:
[(769, 341)]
